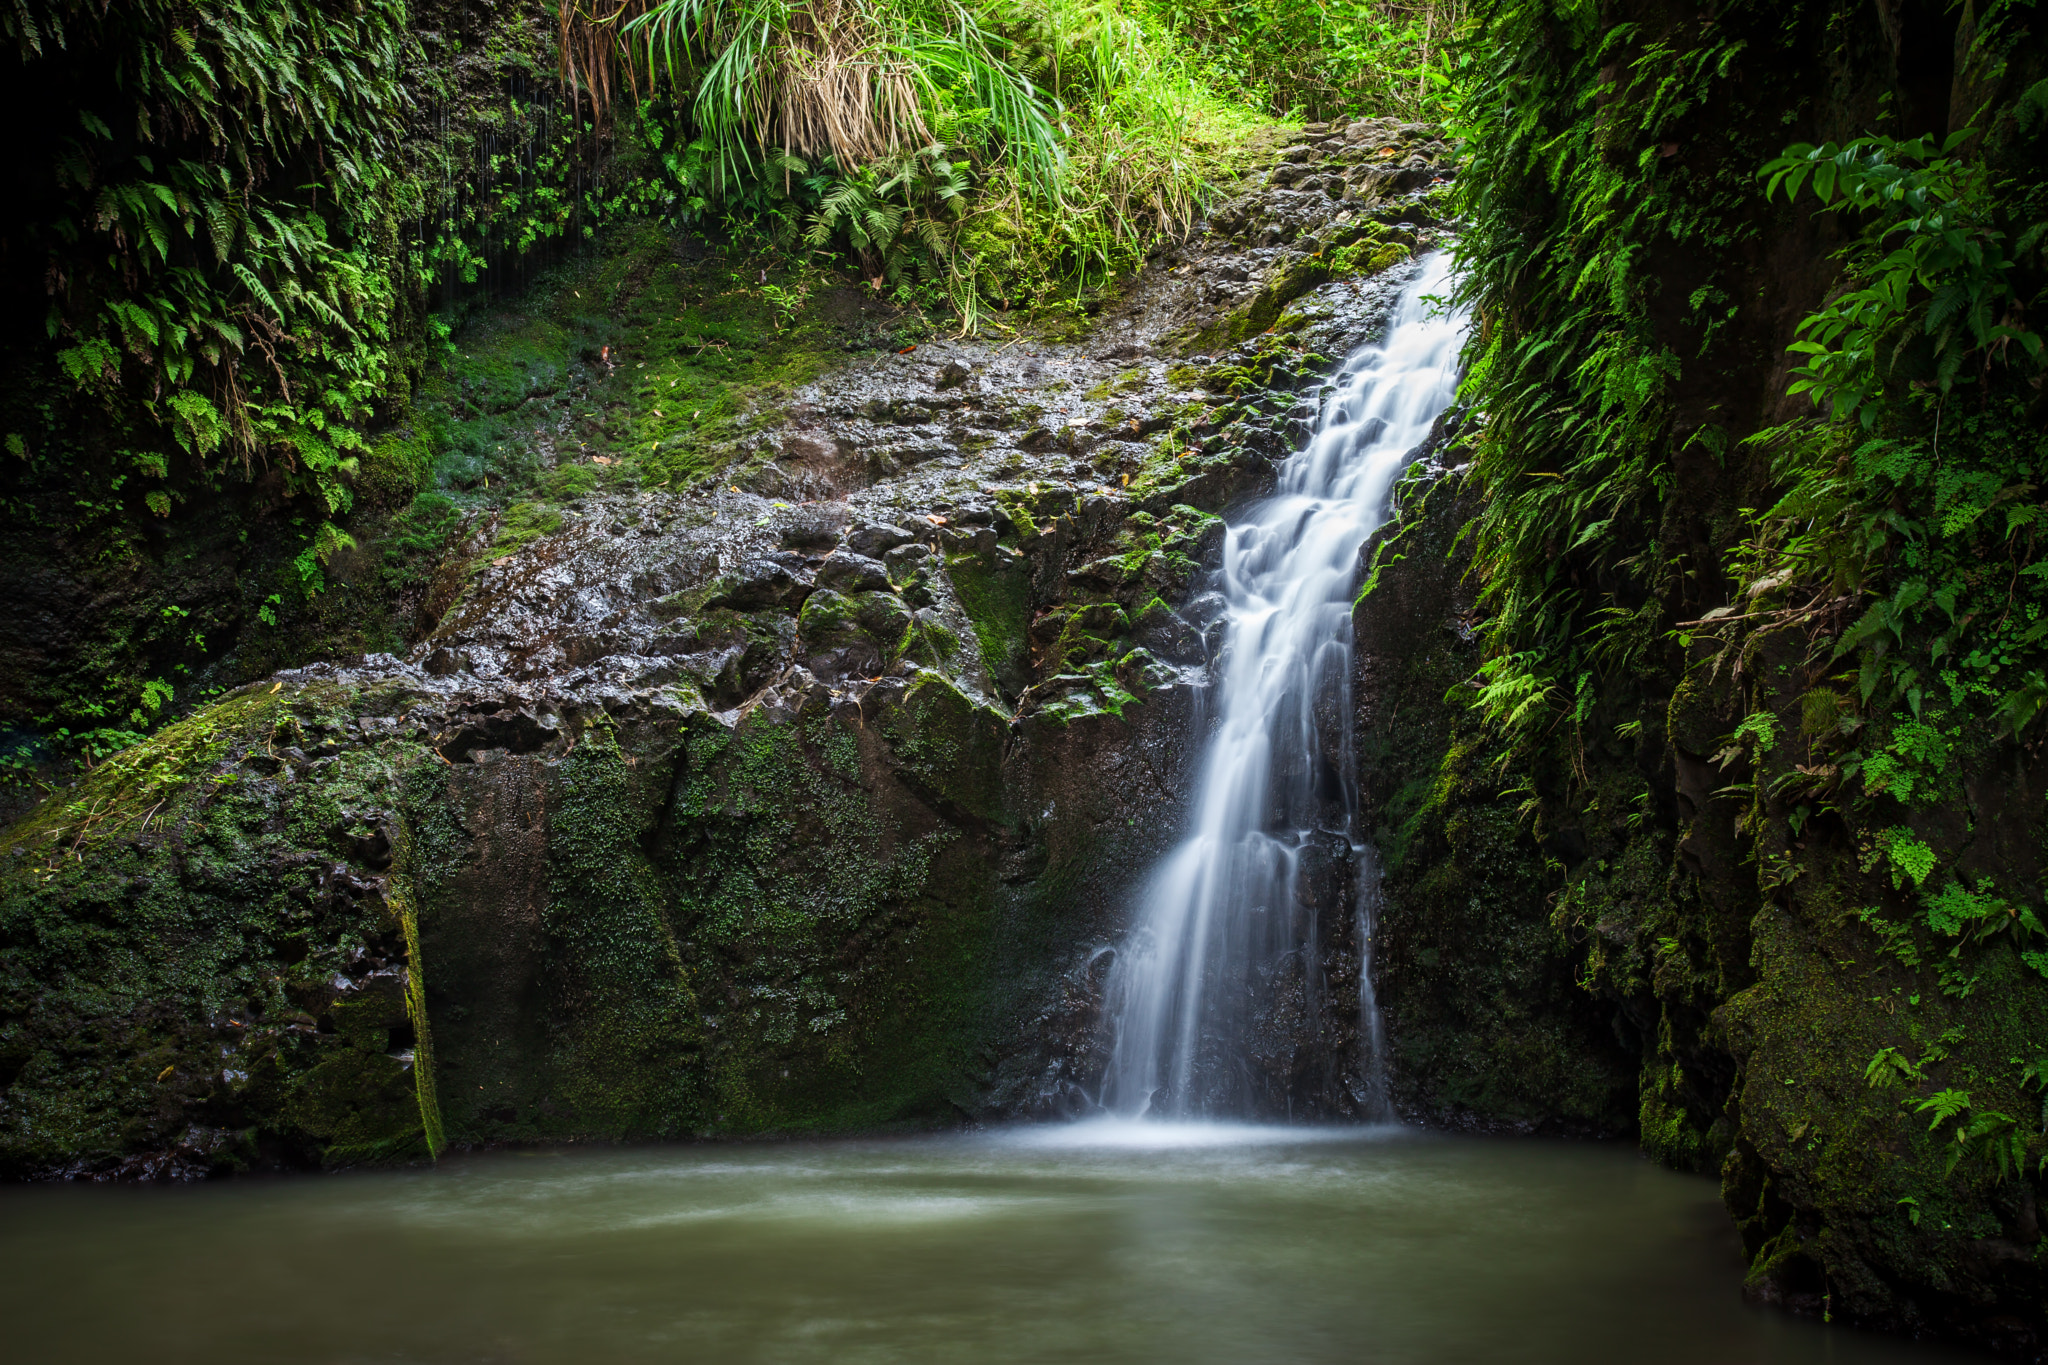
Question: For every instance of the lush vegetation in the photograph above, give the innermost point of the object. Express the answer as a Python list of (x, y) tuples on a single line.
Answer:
[(1001, 156), (1764, 593), (1328, 61), (244, 242), (1895, 537), (1758, 641), (207, 219)]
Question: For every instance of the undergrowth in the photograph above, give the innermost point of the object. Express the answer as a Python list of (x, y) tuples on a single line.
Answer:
[(1009, 154), (1863, 582)]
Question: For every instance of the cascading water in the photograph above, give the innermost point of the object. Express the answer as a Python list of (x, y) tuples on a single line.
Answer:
[(1226, 941)]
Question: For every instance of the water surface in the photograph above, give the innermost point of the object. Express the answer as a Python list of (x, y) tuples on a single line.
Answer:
[(1090, 1242)]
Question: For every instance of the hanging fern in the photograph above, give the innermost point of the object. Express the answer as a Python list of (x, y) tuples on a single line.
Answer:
[(208, 222)]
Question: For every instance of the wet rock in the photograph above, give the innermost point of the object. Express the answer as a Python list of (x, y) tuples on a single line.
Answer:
[(777, 580), (851, 572), (901, 559), (513, 732), (874, 539)]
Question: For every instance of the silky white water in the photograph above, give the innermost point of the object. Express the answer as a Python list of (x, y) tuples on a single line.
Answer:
[(1224, 944)]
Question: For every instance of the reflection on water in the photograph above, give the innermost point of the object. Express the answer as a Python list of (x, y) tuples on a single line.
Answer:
[(1090, 1242)]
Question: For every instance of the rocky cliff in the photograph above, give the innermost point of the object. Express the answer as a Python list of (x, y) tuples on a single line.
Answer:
[(797, 794)]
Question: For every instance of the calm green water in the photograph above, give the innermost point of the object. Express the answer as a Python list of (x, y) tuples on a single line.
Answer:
[(1056, 1244)]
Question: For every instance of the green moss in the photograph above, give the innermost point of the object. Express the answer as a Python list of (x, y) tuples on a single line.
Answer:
[(160, 941), (789, 846), (569, 482), (867, 631), (524, 523), (996, 595), (360, 1105), (426, 1078), (393, 471), (949, 746), (626, 1036), (826, 611)]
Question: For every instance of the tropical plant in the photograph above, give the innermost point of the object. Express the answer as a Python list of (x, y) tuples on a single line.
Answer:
[(1933, 263), (209, 220), (1074, 131), (1376, 57)]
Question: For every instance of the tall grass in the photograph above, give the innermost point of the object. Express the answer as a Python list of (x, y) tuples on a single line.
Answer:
[(1082, 129), (1017, 152), (853, 79), (1146, 141)]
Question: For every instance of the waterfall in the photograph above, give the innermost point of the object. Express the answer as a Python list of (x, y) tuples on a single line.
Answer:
[(1226, 943)]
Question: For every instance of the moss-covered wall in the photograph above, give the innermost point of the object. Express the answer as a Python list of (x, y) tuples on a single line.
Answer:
[(149, 564), (652, 926), (782, 725), (1792, 855), (1488, 1026)]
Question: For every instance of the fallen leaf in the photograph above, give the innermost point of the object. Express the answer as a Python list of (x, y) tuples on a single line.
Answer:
[(934, 520), (166, 1071), (275, 687)]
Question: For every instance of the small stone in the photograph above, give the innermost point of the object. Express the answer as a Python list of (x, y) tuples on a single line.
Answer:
[(851, 572), (872, 539)]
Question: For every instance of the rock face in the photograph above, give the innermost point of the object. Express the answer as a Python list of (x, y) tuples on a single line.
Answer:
[(1487, 1026), (799, 801)]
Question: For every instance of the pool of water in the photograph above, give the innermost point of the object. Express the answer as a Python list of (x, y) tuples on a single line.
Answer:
[(1094, 1242)]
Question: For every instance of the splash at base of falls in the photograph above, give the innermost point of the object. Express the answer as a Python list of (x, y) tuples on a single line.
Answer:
[(1226, 960), (1162, 1135)]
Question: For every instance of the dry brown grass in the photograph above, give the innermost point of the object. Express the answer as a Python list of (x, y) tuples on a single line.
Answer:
[(813, 77)]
